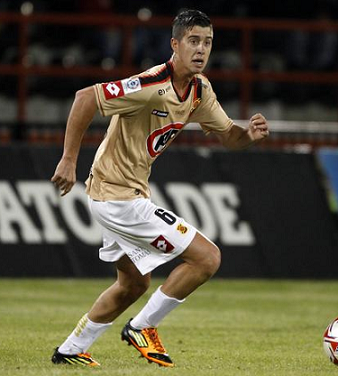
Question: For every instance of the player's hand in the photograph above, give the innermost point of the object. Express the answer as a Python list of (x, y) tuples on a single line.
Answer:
[(258, 127), (65, 176)]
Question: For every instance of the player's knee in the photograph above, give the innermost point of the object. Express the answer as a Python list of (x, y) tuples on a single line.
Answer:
[(212, 261)]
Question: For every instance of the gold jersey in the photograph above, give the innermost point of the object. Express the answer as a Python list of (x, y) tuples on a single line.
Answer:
[(147, 115)]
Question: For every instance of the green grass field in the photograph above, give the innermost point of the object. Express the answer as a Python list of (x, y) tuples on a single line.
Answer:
[(226, 328)]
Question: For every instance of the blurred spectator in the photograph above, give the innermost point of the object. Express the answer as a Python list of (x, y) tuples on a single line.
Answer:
[(104, 40), (314, 50)]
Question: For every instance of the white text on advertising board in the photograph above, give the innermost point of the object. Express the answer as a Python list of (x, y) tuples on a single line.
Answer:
[(33, 212)]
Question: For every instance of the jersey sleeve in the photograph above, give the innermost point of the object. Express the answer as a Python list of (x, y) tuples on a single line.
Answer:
[(209, 114), (124, 97)]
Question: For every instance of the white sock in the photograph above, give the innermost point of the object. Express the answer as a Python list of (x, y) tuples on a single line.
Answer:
[(158, 306), (83, 336)]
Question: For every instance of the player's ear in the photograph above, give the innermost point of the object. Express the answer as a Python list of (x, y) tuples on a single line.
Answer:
[(174, 44)]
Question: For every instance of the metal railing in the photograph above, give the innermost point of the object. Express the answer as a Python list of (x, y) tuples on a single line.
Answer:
[(246, 75)]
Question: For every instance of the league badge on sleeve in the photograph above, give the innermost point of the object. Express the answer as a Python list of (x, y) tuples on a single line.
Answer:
[(131, 85)]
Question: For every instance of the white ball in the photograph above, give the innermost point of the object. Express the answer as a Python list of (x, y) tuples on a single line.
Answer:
[(330, 341)]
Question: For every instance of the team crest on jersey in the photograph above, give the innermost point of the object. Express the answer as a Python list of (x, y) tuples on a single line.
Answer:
[(160, 138), (196, 103), (162, 244), (119, 88)]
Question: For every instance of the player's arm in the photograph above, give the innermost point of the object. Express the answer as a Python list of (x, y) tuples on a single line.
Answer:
[(81, 114), (239, 138)]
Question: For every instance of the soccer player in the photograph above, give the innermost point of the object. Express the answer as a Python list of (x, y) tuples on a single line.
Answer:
[(147, 112)]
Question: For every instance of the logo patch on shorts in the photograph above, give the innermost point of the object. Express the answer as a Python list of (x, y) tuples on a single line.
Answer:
[(182, 229), (162, 244)]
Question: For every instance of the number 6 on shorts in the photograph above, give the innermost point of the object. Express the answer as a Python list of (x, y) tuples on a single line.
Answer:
[(165, 216)]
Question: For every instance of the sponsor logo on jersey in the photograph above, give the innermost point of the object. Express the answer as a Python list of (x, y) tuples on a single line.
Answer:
[(182, 229), (164, 90), (162, 244), (119, 88), (160, 138), (159, 113), (113, 90)]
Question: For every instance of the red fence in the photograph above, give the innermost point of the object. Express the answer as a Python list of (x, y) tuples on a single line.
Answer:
[(246, 75)]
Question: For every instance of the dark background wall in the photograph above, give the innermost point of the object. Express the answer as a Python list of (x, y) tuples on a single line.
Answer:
[(267, 211)]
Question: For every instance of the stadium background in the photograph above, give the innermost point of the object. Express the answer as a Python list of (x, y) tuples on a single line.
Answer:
[(272, 210)]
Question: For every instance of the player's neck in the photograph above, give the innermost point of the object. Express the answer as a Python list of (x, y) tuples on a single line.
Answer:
[(181, 77)]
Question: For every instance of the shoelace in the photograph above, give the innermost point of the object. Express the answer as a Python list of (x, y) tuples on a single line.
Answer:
[(153, 335)]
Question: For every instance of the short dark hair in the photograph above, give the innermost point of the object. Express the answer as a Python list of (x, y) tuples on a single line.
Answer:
[(186, 20)]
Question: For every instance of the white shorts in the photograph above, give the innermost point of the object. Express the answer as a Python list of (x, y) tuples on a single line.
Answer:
[(148, 234)]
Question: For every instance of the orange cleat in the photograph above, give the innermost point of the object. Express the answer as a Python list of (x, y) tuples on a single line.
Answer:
[(148, 343)]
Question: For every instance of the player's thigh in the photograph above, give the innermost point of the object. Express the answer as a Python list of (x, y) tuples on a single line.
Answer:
[(202, 252)]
